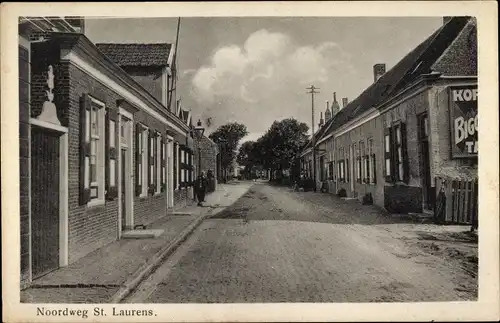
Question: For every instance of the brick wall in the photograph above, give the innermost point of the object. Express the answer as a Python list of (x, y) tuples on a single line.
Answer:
[(92, 228), (149, 208), (407, 198), (407, 112), (208, 150), (371, 129)]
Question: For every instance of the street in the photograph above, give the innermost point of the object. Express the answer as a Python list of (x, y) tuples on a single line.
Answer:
[(277, 245)]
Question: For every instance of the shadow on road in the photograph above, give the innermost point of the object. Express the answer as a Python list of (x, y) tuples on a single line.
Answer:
[(271, 202)]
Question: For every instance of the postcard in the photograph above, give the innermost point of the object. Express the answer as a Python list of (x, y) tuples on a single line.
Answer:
[(271, 161)]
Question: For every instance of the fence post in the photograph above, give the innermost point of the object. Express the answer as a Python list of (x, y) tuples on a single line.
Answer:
[(449, 199), (467, 215)]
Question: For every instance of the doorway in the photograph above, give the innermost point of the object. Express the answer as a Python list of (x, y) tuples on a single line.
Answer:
[(126, 215), (45, 200), (425, 164)]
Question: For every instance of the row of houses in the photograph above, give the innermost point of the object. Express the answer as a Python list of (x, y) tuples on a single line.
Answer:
[(105, 144), (417, 122)]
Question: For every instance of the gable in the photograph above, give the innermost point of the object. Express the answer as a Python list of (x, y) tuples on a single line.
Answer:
[(461, 57)]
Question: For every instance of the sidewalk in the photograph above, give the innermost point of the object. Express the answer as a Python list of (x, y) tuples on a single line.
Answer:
[(110, 273)]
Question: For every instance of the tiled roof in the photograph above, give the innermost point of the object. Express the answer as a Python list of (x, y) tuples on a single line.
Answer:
[(416, 63), (141, 55)]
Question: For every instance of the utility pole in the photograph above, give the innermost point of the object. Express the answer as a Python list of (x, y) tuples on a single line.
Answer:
[(312, 90)]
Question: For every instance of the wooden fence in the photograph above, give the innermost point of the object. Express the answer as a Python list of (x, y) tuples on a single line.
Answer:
[(456, 200)]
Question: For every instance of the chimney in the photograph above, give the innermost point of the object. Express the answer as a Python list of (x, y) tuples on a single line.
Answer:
[(344, 102), (335, 105), (328, 113), (321, 121), (446, 20), (378, 71)]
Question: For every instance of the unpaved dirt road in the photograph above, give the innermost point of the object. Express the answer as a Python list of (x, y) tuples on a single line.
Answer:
[(276, 245)]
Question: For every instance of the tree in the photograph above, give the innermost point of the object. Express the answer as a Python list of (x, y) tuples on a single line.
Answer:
[(246, 156), (280, 145), (227, 137)]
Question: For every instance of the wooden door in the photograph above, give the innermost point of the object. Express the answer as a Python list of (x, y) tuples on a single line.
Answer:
[(425, 164), (45, 188)]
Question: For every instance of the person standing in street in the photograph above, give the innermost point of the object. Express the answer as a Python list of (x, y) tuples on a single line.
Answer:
[(201, 188)]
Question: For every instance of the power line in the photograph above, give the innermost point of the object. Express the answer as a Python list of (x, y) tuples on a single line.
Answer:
[(312, 90)]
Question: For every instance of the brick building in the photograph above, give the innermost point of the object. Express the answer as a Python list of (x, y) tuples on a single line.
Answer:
[(205, 156), (99, 154), (416, 122), (150, 65)]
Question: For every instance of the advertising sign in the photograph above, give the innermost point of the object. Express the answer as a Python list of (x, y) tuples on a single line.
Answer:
[(463, 119)]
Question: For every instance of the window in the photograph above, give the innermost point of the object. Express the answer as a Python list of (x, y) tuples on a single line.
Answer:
[(423, 121), (341, 166), (331, 170), (359, 167), (93, 151), (396, 160), (362, 158)]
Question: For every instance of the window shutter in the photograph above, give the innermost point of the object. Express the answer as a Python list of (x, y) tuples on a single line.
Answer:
[(151, 187), (388, 161), (406, 168), (138, 160), (155, 162), (174, 161), (85, 106), (181, 166), (111, 154), (190, 160), (347, 175), (163, 162), (374, 170)]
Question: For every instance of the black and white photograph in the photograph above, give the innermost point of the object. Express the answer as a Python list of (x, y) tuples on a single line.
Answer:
[(274, 158)]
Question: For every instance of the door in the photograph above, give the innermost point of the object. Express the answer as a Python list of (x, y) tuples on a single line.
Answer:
[(45, 160), (425, 172), (124, 187), (351, 168)]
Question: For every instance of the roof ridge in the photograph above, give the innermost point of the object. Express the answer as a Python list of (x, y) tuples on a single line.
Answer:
[(430, 41), (128, 43)]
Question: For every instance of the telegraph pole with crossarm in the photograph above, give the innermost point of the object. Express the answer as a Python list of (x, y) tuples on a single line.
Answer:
[(312, 90)]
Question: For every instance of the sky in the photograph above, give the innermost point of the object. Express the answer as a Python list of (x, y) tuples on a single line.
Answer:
[(256, 70)]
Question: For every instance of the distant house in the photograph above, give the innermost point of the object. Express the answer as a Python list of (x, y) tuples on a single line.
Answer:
[(406, 129)]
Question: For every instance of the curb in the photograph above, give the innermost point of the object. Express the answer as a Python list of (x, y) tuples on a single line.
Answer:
[(156, 261)]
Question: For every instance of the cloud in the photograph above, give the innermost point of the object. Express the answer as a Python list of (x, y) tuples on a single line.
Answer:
[(189, 71), (242, 82)]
